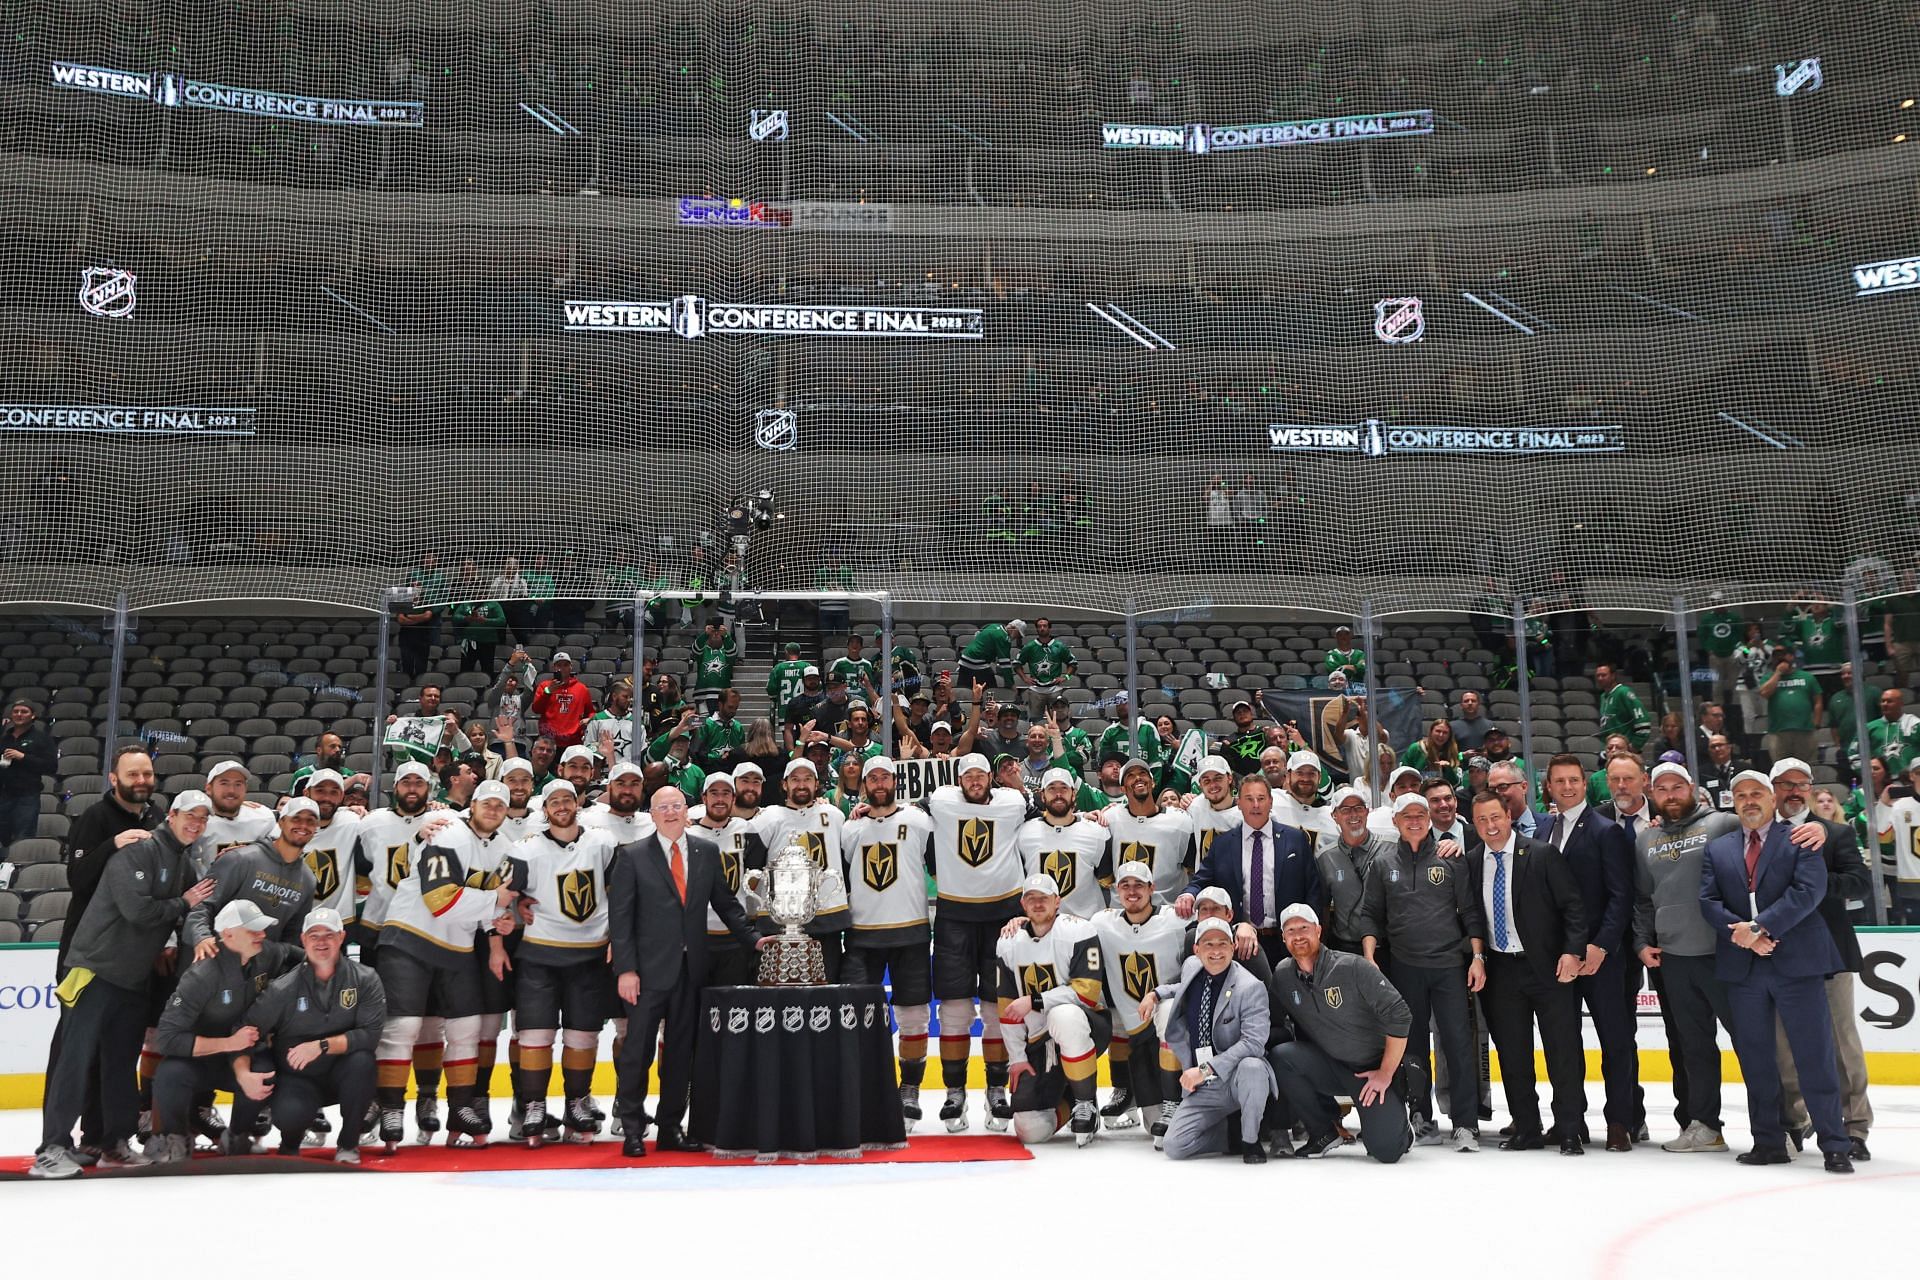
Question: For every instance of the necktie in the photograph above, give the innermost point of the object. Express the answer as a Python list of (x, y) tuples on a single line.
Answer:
[(1257, 891), (1629, 820), (1206, 1012), (1753, 857), (678, 865), (1500, 899)]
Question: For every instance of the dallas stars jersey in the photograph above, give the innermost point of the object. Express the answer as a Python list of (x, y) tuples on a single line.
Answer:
[(621, 727), (818, 828), (975, 861), (859, 672), (637, 825), (715, 666), (1062, 968), (786, 681), (1137, 958), (1075, 856), (1164, 841), (329, 856), (250, 823), (568, 885), (383, 857), (447, 896), (741, 851), (886, 860), (1208, 822)]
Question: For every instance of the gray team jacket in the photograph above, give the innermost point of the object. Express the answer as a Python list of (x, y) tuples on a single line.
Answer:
[(1666, 882), (1346, 1009), (135, 912)]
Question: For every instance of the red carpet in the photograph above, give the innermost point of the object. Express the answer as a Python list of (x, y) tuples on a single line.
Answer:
[(938, 1149)]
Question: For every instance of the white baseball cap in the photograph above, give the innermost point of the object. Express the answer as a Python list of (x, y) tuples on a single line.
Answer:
[(795, 766), (938, 725), (1211, 764), (810, 671), (516, 765), (1788, 765), (1403, 771), (1135, 870), (300, 804), (1216, 895), (625, 769), (742, 770), (226, 766), (556, 787), (1303, 760), (1299, 911), (1343, 794), (1755, 774), (576, 753), (1212, 924), (879, 764), (413, 769), (1061, 776), (323, 918), (1040, 883), (1411, 800), (242, 914), (563, 656), (1670, 769), (971, 761), (191, 800), (319, 776), (492, 790), (714, 779)]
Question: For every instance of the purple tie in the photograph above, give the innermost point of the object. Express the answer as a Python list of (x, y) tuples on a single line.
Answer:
[(1257, 891)]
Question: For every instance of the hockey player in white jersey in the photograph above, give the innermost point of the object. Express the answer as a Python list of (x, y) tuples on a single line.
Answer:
[(886, 856), (1141, 946), (816, 824), (426, 957), (329, 854), (1074, 850), (1213, 810), (620, 813), (521, 813), (1053, 1015), (977, 869), (562, 979), (1143, 831), (234, 821), (741, 850)]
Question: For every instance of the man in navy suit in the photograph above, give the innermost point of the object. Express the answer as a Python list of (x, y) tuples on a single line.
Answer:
[(1601, 857), (1762, 895), (1263, 865)]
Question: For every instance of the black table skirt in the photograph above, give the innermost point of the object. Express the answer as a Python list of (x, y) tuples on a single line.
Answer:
[(793, 1072)]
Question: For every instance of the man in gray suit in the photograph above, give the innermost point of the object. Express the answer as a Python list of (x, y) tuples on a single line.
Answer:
[(657, 899), (1217, 1030)]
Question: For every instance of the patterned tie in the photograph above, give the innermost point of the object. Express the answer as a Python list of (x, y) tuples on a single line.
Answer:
[(678, 865), (1500, 899), (1206, 1011), (1753, 857), (1257, 891)]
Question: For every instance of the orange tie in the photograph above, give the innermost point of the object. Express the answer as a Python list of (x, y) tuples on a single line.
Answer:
[(678, 865)]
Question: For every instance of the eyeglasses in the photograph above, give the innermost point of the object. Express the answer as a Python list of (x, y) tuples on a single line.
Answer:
[(1507, 786)]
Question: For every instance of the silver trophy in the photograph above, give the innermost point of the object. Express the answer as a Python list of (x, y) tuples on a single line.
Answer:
[(790, 887)]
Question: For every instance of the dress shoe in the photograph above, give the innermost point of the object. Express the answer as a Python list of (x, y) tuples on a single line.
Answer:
[(1860, 1151), (1619, 1138), (1524, 1142), (1838, 1162), (1572, 1146), (672, 1139), (1765, 1155), (634, 1145), (1254, 1154)]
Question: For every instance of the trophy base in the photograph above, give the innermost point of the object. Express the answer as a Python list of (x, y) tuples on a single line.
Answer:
[(793, 962)]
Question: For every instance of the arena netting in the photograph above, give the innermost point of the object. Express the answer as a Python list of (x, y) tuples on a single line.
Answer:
[(1228, 304)]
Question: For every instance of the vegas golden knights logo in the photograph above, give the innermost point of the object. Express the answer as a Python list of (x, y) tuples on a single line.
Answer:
[(1333, 997), (350, 997), (579, 895), (399, 864), (325, 865), (1139, 973), (815, 844), (1038, 979), (1436, 875), (1134, 851), (976, 841), (1206, 841), (880, 865), (730, 866), (1060, 864)]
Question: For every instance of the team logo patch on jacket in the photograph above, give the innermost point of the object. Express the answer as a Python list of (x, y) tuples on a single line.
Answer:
[(350, 997), (1333, 997), (1436, 875)]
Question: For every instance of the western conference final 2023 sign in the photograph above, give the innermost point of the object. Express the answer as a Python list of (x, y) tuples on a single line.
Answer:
[(691, 316)]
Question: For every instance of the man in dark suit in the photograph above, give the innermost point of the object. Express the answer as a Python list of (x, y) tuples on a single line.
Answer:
[(1263, 865), (1762, 894), (1536, 941), (1847, 880), (658, 897), (1601, 858)]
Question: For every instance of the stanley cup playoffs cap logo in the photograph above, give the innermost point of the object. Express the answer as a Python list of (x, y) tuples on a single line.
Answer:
[(690, 315)]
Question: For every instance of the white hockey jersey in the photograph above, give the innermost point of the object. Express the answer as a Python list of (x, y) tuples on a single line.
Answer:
[(252, 822), (1208, 822), (741, 851), (886, 857), (819, 829), (1137, 958), (384, 858), (1075, 856), (976, 856), (1064, 967), (568, 885), (329, 856), (437, 909), (1164, 841)]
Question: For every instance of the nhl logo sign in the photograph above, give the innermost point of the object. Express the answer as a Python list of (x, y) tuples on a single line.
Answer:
[(777, 429), (819, 1018), (737, 1020), (793, 1019), (848, 1018), (107, 292), (1398, 321), (768, 126), (763, 1020)]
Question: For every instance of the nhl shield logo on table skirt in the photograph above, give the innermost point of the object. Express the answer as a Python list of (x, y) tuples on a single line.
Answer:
[(107, 291)]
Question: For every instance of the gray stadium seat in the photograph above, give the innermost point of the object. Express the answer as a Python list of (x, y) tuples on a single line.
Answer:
[(10, 931), (51, 930), (10, 905), (40, 877), (41, 848)]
